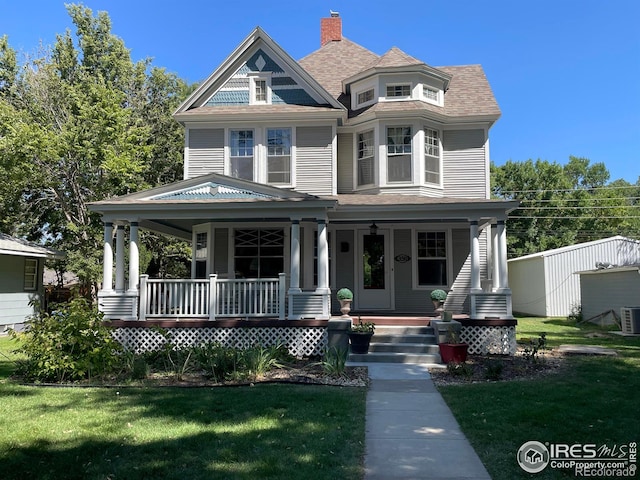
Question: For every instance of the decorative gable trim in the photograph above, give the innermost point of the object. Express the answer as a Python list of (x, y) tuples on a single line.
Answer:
[(210, 191), (258, 53)]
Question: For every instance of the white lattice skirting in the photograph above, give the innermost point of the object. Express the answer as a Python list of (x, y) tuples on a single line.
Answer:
[(487, 339), (301, 341)]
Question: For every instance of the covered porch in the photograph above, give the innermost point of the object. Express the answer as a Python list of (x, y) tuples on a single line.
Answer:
[(260, 252)]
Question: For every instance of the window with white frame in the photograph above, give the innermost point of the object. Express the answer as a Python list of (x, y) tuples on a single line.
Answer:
[(432, 258), (241, 144), (201, 254), (366, 153), (430, 93), (365, 97), (259, 90), (30, 274), (258, 253), (279, 156), (399, 91), (399, 154), (431, 156)]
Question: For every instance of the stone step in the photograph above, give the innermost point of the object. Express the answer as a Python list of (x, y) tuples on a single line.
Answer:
[(403, 348), (386, 357), (426, 339), (403, 330)]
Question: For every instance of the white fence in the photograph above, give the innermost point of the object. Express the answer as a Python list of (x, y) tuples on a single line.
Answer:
[(184, 298)]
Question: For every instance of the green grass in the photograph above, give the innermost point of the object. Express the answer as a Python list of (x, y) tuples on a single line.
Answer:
[(595, 400), (263, 431)]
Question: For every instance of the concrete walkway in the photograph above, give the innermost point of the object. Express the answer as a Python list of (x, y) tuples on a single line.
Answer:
[(410, 431)]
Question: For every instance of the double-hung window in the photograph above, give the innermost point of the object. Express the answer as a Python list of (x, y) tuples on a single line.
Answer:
[(399, 154), (241, 145), (279, 156), (366, 151), (432, 258), (30, 274), (431, 156)]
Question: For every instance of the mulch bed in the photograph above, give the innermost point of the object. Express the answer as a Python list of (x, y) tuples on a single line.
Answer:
[(491, 368)]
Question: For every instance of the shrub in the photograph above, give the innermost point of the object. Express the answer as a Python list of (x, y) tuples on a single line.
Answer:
[(70, 343), (344, 294), (438, 295)]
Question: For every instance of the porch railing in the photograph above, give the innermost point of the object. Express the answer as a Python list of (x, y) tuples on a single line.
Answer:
[(212, 297)]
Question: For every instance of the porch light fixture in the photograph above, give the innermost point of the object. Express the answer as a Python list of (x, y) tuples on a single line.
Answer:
[(373, 228)]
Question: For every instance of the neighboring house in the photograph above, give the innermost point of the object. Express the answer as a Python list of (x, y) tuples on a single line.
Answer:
[(606, 289), (343, 169), (21, 267), (545, 284)]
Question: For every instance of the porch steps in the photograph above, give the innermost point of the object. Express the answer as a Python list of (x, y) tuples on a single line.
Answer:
[(401, 344)]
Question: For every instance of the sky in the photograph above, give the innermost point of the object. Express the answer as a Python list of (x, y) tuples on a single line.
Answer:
[(566, 73)]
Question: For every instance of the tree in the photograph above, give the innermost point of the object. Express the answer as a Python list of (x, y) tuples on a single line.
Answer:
[(563, 205), (79, 123)]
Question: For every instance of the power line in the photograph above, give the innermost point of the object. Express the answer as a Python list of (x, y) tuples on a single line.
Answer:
[(583, 189), (580, 217)]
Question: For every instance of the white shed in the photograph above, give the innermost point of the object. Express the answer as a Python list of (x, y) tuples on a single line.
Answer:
[(544, 284), (609, 289)]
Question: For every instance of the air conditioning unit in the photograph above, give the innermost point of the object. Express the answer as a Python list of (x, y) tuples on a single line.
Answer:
[(630, 317)]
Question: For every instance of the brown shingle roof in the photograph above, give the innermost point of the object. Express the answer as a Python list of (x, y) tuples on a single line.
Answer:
[(469, 92)]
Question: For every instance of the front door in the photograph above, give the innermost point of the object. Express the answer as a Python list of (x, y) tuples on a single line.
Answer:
[(373, 271)]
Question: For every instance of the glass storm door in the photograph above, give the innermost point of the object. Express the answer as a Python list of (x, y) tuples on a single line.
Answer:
[(374, 289)]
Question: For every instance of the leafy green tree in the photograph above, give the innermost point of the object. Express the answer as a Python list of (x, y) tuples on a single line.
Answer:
[(563, 204), (81, 122)]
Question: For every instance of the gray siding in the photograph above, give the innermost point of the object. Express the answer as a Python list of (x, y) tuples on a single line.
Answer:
[(221, 252), (457, 300), (206, 151), (14, 300), (464, 163), (609, 290), (345, 163), (314, 157)]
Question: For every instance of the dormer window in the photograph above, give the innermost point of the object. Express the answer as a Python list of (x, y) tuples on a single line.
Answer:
[(399, 91)]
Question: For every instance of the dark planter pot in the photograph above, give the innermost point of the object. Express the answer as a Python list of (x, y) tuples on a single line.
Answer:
[(360, 342), (453, 352)]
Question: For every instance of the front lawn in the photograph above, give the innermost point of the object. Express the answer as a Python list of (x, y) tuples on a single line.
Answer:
[(248, 432), (594, 400)]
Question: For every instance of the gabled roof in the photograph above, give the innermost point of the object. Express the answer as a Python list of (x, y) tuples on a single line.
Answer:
[(257, 39), (17, 246)]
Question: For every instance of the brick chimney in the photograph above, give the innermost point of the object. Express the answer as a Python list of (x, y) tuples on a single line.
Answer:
[(330, 29)]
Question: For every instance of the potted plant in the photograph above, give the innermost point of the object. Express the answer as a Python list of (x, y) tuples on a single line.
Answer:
[(360, 336), (438, 297), (453, 349), (345, 297)]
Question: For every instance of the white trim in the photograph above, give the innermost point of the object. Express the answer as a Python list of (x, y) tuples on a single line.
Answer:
[(398, 97), (33, 284), (253, 78)]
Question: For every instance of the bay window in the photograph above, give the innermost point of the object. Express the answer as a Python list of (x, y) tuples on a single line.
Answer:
[(399, 154), (431, 156), (366, 151)]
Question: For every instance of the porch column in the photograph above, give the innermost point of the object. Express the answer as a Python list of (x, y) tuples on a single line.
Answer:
[(475, 257), (134, 257), (323, 258), (294, 285), (120, 258), (107, 259), (495, 258), (502, 252)]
